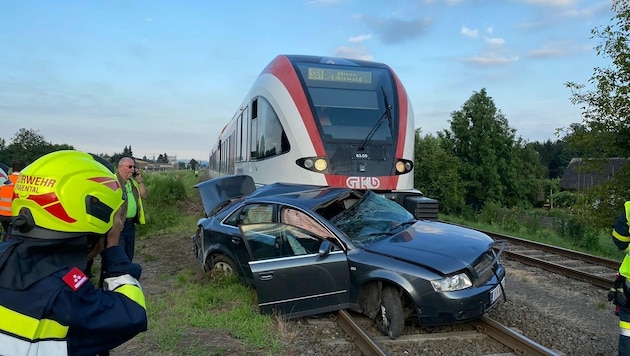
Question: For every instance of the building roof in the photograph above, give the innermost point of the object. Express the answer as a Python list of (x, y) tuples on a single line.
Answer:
[(582, 173)]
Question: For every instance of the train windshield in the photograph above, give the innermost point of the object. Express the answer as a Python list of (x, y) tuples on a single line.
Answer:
[(350, 102)]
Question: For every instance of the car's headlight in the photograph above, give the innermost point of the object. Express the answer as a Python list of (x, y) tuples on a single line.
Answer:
[(452, 283)]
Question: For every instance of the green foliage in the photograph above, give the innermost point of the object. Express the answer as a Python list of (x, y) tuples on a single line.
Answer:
[(28, 145), (166, 196), (493, 164), (605, 128), (577, 231), (436, 174), (563, 199)]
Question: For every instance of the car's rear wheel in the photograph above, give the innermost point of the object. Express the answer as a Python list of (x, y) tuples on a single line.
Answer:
[(390, 320), (222, 265)]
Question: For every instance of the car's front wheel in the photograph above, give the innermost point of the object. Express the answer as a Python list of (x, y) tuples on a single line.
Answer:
[(222, 265), (390, 320)]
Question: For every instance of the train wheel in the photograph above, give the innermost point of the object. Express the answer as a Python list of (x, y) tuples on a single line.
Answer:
[(390, 320)]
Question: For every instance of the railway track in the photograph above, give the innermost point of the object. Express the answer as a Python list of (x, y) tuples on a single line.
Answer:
[(380, 345), (588, 268), (595, 270)]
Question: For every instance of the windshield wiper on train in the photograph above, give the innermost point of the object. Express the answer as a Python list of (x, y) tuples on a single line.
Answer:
[(387, 114)]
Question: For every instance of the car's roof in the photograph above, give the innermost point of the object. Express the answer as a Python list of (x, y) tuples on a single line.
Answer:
[(309, 196), (219, 192)]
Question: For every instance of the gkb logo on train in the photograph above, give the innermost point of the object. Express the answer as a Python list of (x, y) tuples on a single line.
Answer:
[(363, 182)]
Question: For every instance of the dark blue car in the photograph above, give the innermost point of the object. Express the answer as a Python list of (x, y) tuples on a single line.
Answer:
[(310, 250)]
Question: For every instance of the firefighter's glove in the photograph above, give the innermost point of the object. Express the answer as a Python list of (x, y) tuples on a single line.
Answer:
[(617, 294)]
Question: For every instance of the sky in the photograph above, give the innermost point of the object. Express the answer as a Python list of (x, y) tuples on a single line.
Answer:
[(166, 76)]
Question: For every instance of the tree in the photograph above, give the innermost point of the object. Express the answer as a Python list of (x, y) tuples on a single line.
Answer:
[(28, 145), (193, 164), (492, 166), (436, 174), (605, 128)]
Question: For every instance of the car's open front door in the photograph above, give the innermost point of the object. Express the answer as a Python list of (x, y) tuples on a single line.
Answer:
[(296, 273)]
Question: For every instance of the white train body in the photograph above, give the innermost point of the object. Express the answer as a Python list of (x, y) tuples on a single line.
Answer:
[(322, 121)]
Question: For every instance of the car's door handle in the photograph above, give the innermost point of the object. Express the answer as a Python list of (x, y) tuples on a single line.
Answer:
[(236, 240), (265, 276)]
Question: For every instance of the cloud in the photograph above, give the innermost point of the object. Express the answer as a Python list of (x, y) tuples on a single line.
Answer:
[(467, 32), (360, 38), (447, 2), (393, 31), (353, 52), (495, 41), (323, 2), (490, 60), (558, 49), (553, 3)]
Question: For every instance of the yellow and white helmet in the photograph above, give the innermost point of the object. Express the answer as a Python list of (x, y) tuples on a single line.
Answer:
[(69, 192)]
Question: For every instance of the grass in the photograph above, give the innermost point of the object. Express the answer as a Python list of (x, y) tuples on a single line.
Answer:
[(191, 303)]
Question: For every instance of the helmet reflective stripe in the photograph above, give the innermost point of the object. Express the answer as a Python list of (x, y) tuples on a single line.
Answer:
[(51, 203)]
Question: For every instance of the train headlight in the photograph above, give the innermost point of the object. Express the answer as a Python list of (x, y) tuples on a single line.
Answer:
[(315, 164), (403, 166), (321, 164)]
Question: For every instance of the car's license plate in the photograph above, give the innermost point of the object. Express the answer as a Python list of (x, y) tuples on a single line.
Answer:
[(497, 292)]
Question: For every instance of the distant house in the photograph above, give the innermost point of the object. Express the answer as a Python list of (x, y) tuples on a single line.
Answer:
[(156, 167), (583, 174)]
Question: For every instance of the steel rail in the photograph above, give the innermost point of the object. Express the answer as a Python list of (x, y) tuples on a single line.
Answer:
[(596, 280), (359, 337), (601, 281), (601, 261), (508, 337)]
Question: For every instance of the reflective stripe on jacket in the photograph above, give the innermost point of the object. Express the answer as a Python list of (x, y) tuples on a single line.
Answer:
[(140, 219), (6, 196), (51, 318), (621, 236)]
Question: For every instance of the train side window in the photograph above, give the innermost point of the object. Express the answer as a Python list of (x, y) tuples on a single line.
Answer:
[(268, 136)]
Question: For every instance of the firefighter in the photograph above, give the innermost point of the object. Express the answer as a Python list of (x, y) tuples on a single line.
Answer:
[(67, 204), (6, 195), (621, 290)]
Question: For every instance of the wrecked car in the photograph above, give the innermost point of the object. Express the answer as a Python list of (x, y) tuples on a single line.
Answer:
[(310, 250)]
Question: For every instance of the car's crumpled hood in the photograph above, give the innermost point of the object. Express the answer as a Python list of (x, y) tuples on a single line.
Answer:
[(444, 247)]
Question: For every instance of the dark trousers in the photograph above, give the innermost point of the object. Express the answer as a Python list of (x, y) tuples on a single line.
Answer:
[(128, 238)]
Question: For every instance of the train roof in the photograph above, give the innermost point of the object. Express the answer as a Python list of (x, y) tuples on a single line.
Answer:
[(333, 60)]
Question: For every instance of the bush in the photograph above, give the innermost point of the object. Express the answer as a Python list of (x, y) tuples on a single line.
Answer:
[(166, 192), (577, 231)]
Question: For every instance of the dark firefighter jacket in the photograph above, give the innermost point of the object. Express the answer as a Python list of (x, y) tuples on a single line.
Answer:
[(61, 312)]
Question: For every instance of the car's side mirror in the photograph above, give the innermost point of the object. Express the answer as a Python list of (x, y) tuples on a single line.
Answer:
[(325, 247)]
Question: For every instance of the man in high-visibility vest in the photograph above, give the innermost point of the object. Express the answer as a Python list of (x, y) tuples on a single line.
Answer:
[(66, 203), (620, 293), (6, 196)]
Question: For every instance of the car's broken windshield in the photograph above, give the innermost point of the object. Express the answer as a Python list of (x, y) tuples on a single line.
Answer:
[(371, 219)]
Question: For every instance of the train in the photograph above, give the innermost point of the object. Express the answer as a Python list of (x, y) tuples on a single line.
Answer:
[(325, 121)]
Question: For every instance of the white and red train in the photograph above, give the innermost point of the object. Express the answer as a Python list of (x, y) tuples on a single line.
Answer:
[(324, 121)]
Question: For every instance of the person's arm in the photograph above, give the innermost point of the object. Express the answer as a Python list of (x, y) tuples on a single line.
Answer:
[(621, 231), (142, 189)]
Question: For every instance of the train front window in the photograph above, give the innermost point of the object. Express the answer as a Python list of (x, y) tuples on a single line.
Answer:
[(349, 101)]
